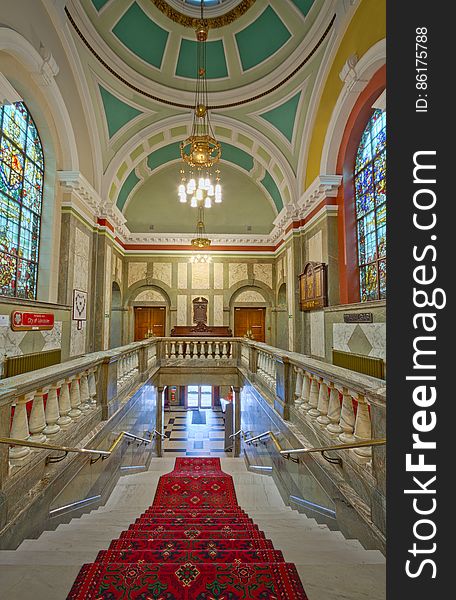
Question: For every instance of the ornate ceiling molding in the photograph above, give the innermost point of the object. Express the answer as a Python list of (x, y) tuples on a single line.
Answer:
[(212, 22), (324, 186)]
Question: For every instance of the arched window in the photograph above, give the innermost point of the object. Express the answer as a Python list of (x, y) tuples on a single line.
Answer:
[(370, 207), (21, 198)]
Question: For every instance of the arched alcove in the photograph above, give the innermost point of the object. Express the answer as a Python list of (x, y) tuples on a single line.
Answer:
[(250, 310)]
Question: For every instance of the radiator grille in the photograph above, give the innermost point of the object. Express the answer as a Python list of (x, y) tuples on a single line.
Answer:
[(16, 365), (375, 367)]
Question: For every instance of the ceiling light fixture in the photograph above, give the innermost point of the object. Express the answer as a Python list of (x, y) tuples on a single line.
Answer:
[(200, 241), (200, 151)]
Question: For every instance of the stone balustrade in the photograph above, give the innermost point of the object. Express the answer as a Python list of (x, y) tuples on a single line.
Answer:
[(49, 405), (203, 349)]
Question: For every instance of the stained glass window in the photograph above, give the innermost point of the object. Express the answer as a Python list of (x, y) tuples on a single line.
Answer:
[(21, 198), (370, 207)]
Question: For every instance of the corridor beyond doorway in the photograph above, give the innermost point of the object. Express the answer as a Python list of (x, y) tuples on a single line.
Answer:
[(194, 433)]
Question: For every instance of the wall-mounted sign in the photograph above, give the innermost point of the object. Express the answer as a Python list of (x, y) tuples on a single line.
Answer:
[(26, 321), (79, 305), (4, 320), (358, 318), (312, 286)]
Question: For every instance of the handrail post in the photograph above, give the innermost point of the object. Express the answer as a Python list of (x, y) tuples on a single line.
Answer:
[(253, 359), (284, 394), (142, 362), (237, 420), (107, 385)]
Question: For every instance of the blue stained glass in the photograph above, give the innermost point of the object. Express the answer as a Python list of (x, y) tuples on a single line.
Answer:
[(21, 198), (370, 207)]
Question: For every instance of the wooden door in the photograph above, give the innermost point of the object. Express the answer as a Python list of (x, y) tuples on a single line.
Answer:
[(149, 319), (250, 318)]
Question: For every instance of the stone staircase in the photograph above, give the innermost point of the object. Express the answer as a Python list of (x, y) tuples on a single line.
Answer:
[(330, 566)]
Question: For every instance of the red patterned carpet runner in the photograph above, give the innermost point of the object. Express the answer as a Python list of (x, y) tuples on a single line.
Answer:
[(194, 542)]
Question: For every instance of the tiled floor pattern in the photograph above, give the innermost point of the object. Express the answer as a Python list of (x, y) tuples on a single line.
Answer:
[(195, 433)]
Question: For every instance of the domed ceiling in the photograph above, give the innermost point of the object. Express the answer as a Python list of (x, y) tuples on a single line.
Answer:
[(264, 61)]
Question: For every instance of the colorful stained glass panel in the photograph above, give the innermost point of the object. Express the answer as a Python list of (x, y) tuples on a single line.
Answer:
[(21, 197), (370, 207)]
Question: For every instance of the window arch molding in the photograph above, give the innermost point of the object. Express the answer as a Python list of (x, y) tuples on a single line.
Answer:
[(349, 285)]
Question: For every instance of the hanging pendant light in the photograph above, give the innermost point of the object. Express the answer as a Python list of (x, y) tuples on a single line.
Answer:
[(201, 150)]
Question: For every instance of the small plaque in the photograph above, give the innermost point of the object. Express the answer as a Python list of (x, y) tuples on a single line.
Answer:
[(312, 286), (26, 321), (358, 318), (200, 310)]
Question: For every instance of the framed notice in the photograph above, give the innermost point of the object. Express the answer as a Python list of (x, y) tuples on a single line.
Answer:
[(79, 305), (312, 286)]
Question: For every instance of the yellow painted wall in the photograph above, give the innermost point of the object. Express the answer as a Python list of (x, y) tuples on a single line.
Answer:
[(367, 27)]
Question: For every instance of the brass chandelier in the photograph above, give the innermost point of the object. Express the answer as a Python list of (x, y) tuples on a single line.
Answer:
[(200, 151)]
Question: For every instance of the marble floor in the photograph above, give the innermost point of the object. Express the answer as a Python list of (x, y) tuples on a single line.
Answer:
[(194, 433)]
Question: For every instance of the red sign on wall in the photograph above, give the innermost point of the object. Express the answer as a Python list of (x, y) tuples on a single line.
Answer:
[(25, 321)]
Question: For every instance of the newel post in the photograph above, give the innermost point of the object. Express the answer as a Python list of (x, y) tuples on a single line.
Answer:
[(143, 355)]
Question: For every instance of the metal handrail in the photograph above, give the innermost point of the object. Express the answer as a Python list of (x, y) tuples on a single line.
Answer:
[(287, 452), (240, 431), (162, 435), (103, 454)]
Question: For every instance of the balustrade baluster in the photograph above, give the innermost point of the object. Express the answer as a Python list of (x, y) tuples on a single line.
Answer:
[(347, 418), (209, 350), (84, 392), (305, 394), (298, 387), (363, 429), (217, 349), (224, 353), (313, 396), (334, 410), (180, 346), (173, 350), (93, 386), (187, 349), (64, 404), (20, 429), (75, 399), (51, 412), (37, 421), (323, 404)]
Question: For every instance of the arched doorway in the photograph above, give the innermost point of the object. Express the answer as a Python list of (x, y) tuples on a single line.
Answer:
[(282, 318), (250, 315), (149, 315), (115, 333)]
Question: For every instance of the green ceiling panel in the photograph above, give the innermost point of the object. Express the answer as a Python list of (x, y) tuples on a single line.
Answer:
[(141, 35), (99, 3), (303, 5), (283, 116), (261, 39), (117, 112), (125, 191), (215, 60), (237, 156), (272, 188), (163, 155)]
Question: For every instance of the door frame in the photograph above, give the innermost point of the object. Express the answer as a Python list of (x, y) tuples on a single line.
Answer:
[(252, 307), (145, 305)]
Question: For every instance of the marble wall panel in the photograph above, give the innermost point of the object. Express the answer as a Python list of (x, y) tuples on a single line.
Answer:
[(315, 247), (218, 310), (317, 333), (200, 276), (181, 310), (81, 282), (263, 272), (182, 269), (136, 272), (53, 338), (236, 272), (107, 300), (218, 276), (346, 338), (162, 272)]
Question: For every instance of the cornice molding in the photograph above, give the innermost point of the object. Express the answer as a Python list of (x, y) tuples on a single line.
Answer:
[(323, 186)]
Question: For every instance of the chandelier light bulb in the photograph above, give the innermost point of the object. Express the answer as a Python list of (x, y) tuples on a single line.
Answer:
[(199, 194), (181, 189), (207, 202), (201, 183), (218, 189), (194, 202), (211, 191)]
